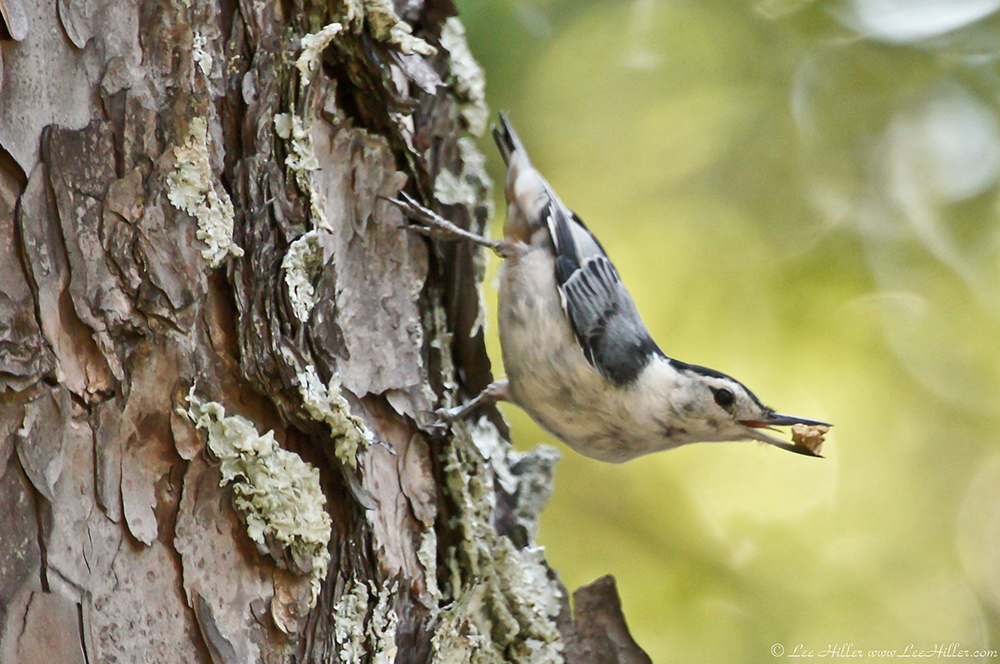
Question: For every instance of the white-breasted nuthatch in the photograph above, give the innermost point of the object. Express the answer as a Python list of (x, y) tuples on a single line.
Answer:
[(578, 357)]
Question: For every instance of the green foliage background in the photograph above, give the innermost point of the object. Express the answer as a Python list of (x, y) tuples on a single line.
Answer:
[(803, 195)]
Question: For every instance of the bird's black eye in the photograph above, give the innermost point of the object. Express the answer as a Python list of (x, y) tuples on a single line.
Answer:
[(723, 397)]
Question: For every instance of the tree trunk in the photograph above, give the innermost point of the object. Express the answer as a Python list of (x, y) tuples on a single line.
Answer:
[(219, 349)]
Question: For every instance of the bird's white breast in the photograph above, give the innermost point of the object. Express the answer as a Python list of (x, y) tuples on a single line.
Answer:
[(550, 378)]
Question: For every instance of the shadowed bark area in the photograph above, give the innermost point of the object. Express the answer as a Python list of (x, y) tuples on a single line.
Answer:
[(218, 348)]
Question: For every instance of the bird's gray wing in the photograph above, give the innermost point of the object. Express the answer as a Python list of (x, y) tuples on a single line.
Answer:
[(601, 311)]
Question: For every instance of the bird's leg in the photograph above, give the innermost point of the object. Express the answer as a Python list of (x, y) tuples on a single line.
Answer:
[(434, 225), (495, 391)]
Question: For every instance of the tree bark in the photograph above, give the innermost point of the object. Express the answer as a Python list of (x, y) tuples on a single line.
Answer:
[(219, 350)]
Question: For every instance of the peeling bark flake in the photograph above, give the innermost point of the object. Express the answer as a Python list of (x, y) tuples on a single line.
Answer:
[(40, 439), (81, 166), (224, 575), (19, 541), (24, 355), (12, 12), (51, 631), (147, 453), (81, 366), (374, 258)]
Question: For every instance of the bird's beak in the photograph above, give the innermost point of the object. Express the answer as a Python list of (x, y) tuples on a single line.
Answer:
[(753, 428)]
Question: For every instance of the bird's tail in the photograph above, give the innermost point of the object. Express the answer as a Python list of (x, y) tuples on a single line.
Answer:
[(506, 138)]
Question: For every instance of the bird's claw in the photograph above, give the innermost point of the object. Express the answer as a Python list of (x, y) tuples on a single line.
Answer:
[(428, 222), (441, 420), (433, 225)]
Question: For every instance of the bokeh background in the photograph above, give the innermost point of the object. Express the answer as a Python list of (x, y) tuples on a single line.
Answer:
[(803, 194)]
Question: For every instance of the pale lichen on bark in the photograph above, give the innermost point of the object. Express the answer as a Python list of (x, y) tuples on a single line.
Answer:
[(505, 600), (326, 403), (301, 264), (467, 187), (466, 76), (301, 161), (381, 17), (191, 187), (313, 46), (360, 634), (277, 492)]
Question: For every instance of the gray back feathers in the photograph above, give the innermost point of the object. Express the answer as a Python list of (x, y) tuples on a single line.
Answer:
[(601, 311)]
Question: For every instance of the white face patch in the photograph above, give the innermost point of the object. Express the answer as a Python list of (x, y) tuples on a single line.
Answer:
[(705, 406)]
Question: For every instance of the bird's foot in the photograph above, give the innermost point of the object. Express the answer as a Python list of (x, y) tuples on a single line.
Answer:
[(433, 225), (445, 417), (439, 421)]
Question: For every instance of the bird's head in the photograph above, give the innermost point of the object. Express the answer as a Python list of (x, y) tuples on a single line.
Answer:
[(711, 406)]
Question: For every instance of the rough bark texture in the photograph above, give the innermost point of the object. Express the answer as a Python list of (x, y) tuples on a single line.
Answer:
[(218, 349)]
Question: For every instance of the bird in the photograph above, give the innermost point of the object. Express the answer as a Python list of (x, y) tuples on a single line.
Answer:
[(578, 357)]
